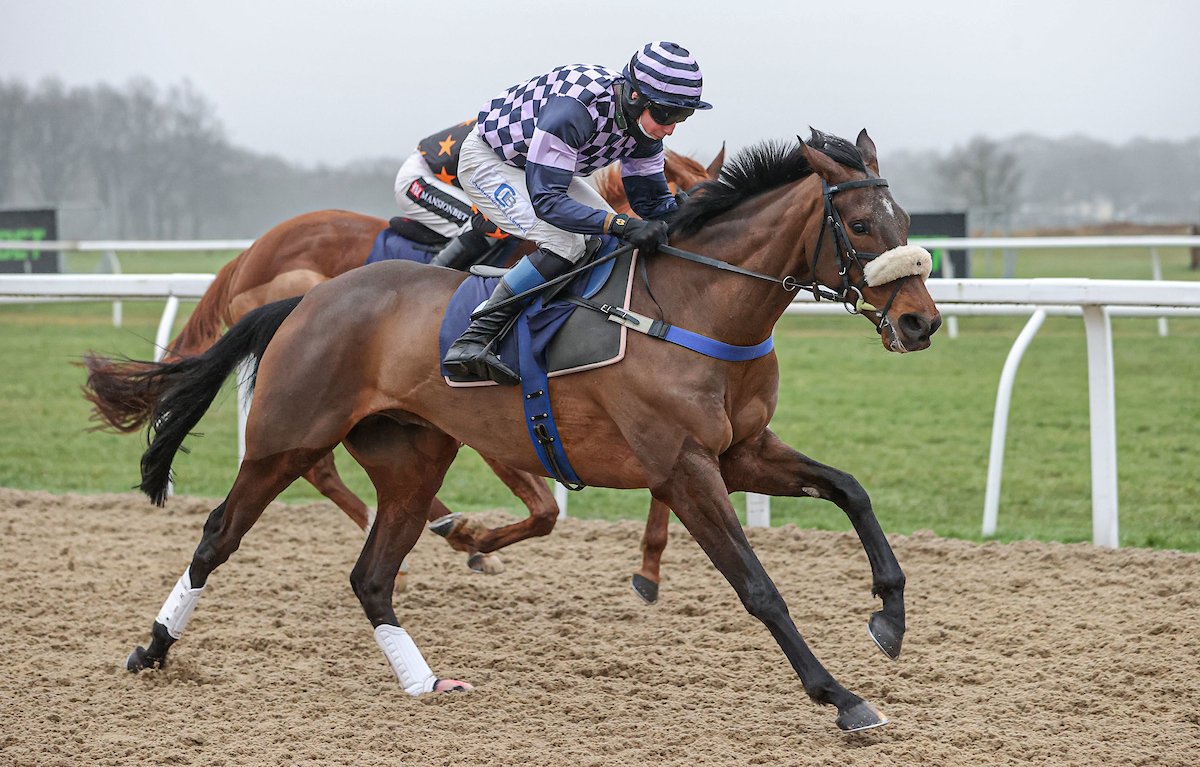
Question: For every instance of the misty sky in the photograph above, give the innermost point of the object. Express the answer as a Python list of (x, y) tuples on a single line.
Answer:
[(325, 81)]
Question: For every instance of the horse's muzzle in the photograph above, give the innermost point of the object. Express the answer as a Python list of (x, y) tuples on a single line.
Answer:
[(917, 329), (912, 332)]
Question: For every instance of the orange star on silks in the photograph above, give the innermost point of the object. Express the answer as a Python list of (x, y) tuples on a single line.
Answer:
[(444, 146), (445, 176)]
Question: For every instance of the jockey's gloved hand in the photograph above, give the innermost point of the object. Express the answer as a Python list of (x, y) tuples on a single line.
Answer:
[(680, 198), (646, 236)]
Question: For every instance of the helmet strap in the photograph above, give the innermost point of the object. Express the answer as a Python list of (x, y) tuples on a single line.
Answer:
[(625, 120)]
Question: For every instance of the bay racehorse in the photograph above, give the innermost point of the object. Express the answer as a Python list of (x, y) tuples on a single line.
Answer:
[(310, 249), (356, 361)]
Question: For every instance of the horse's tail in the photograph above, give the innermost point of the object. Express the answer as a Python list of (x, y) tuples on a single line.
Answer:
[(189, 385), (203, 327), (122, 393)]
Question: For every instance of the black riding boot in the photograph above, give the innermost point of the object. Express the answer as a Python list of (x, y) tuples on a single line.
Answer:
[(473, 355), (463, 251)]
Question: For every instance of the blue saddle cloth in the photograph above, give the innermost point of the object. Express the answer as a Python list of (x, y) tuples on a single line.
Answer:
[(390, 245), (543, 320)]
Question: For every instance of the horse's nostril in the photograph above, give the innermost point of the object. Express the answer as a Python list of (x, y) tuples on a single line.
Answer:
[(918, 327), (914, 326)]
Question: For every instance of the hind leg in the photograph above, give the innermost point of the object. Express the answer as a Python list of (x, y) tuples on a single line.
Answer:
[(325, 478), (257, 484), (461, 535), (407, 464)]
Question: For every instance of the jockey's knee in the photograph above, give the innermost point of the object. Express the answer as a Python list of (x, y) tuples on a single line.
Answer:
[(568, 245)]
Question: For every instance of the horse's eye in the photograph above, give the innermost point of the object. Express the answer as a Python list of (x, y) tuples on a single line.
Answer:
[(859, 227)]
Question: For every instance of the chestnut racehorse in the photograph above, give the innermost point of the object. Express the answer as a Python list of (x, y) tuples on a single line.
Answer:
[(305, 251), (356, 362)]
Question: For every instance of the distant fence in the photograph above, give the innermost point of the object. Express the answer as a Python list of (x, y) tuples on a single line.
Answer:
[(1095, 300)]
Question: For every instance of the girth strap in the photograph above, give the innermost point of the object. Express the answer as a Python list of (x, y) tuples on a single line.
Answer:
[(664, 331), (539, 416)]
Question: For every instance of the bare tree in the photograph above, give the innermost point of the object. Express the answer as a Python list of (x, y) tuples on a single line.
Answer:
[(52, 138), (981, 174), (196, 157), (14, 99), (110, 157)]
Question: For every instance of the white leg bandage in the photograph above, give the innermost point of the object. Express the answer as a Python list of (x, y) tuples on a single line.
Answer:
[(407, 662), (180, 605)]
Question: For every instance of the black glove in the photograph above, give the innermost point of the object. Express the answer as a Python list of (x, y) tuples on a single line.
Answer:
[(680, 198), (646, 236)]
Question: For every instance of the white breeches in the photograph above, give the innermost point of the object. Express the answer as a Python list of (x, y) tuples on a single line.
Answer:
[(500, 192)]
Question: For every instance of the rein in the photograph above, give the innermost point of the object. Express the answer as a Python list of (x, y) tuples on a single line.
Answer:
[(850, 294), (544, 287)]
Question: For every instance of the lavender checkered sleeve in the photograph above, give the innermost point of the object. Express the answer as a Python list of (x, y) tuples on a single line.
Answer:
[(507, 124)]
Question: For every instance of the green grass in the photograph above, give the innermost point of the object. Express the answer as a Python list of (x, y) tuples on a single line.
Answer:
[(1108, 264), (913, 429)]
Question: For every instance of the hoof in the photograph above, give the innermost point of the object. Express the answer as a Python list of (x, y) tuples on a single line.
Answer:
[(452, 685), (886, 634), (443, 525), (646, 589), (138, 660), (861, 716), (489, 564)]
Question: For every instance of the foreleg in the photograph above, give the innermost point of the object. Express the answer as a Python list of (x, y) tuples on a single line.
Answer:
[(696, 493), (654, 541), (407, 465), (469, 535), (769, 466)]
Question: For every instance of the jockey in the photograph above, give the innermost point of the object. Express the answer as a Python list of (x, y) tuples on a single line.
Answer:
[(428, 192), (523, 163)]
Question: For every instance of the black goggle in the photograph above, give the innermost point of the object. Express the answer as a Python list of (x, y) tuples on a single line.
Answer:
[(665, 115), (661, 113)]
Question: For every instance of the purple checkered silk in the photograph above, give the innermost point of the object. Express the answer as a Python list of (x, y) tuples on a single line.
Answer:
[(508, 121)]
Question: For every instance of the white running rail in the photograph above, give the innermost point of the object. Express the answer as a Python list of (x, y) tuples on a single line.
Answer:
[(1095, 300)]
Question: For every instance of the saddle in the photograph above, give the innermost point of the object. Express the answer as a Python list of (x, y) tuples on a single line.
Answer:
[(408, 240), (561, 340), (549, 338)]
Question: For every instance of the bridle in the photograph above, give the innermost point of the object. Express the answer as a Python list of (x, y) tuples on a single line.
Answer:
[(851, 294), (848, 293)]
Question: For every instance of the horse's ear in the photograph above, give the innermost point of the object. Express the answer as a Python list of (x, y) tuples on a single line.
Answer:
[(714, 167), (866, 147), (825, 166)]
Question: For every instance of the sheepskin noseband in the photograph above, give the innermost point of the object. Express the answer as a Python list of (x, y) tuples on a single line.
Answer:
[(901, 261)]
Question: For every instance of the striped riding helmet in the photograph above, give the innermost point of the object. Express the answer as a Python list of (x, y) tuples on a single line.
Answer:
[(666, 74)]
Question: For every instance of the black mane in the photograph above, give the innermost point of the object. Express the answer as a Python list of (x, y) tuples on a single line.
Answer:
[(758, 168)]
